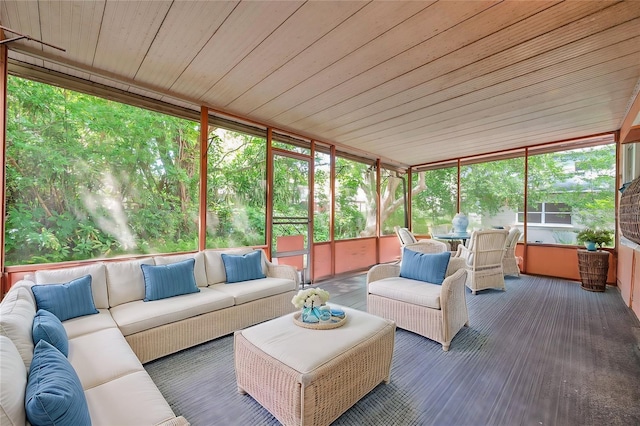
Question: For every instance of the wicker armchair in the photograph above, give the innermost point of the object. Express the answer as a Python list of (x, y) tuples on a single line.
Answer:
[(510, 262), (483, 259), (401, 300)]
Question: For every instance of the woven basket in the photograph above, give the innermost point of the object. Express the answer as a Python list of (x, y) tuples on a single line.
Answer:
[(594, 268), (630, 211)]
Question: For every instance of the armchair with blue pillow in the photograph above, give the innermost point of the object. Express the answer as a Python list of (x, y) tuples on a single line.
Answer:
[(424, 294)]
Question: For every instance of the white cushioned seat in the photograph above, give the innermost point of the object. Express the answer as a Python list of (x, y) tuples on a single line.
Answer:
[(303, 351), (137, 316), (16, 319), (248, 291), (101, 357), (89, 323), (143, 405), (14, 379), (98, 280), (407, 290)]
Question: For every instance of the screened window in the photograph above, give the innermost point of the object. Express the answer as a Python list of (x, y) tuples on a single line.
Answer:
[(236, 188), (570, 190), (322, 196), (434, 199), (90, 178), (355, 199), (492, 191), (392, 200)]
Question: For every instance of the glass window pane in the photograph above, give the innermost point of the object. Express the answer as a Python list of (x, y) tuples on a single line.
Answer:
[(236, 189), (90, 178), (322, 195), (434, 200), (355, 199), (576, 189), (392, 200), (492, 192)]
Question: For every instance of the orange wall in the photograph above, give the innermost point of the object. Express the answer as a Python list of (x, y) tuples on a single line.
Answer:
[(352, 255), (389, 249), (321, 261), (291, 243), (561, 262)]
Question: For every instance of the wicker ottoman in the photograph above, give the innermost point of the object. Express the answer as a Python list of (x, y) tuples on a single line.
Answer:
[(310, 377)]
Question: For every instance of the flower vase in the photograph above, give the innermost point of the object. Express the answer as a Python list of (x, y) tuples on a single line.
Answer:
[(460, 223), (310, 315)]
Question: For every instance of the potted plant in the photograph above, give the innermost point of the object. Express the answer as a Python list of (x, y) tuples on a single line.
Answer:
[(591, 237), (593, 263)]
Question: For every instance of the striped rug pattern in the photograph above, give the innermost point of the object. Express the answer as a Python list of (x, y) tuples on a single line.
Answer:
[(545, 352)]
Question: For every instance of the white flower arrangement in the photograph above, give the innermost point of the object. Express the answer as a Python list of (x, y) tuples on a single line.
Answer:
[(310, 298)]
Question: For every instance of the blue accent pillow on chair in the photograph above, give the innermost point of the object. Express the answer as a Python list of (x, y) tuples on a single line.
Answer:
[(428, 267), (173, 279), (68, 300), (48, 327), (54, 395), (243, 267)]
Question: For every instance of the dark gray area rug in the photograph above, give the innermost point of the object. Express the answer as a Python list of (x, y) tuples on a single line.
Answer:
[(545, 352)]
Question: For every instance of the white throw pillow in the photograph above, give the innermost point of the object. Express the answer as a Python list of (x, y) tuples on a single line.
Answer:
[(199, 268), (98, 280), (16, 319), (125, 281)]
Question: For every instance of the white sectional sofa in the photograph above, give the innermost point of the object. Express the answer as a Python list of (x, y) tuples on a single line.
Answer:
[(107, 349)]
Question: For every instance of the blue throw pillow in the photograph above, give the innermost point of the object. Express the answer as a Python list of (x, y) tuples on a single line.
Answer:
[(428, 267), (54, 395), (48, 327), (173, 279), (243, 267), (66, 301)]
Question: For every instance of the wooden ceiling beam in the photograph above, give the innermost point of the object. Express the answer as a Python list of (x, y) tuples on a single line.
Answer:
[(626, 135)]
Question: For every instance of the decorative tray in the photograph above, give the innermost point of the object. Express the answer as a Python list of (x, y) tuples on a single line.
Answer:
[(334, 323)]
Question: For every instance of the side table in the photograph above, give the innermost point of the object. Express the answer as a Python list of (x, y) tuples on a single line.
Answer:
[(594, 268)]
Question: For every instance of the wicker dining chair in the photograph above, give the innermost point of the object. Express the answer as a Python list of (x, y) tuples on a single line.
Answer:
[(407, 239), (510, 261), (483, 259)]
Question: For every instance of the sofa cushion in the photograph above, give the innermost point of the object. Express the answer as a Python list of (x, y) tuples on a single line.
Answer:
[(248, 291), (428, 267), (408, 290), (129, 400), (243, 267), (54, 394), (98, 280), (48, 327), (16, 319), (14, 382), (125, 282), (68, 300), (302, 354), (163, 281), (199, 268), (101, 357), (215, 265), (90, 323), (137, 316)]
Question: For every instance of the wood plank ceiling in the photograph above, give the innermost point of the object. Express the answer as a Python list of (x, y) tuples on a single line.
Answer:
[(410, 82)]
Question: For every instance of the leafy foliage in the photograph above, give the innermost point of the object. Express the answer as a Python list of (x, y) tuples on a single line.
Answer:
[(90, 178)]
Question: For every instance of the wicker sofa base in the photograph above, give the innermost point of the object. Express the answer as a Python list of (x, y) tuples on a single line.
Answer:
[(170, 338), (321, 396)]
